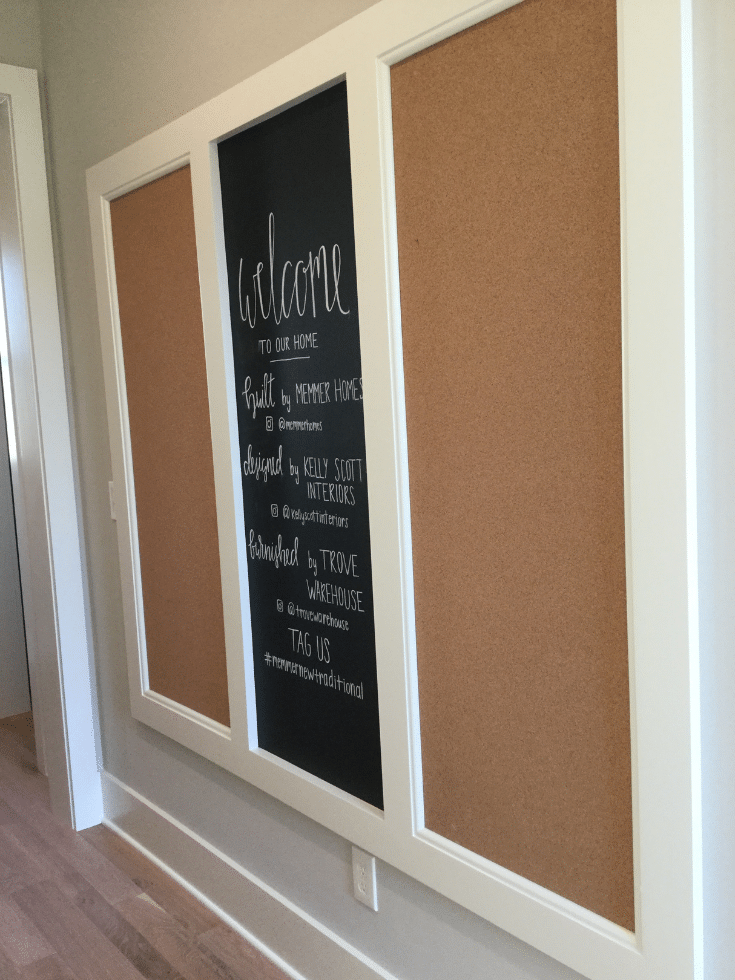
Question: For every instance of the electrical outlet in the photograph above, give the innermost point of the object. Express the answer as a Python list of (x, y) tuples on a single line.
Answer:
[(363, 878)]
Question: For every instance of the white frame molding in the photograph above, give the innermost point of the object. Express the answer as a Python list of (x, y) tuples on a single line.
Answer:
[(658, 344), (49, 542)]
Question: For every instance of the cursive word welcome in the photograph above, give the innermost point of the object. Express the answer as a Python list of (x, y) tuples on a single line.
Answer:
[(296, 285)]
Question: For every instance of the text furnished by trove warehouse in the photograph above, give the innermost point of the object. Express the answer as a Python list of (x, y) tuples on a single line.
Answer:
[(296, 346)]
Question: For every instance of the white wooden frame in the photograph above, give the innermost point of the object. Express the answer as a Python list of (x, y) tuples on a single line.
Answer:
[(42, 468), (657, 276)]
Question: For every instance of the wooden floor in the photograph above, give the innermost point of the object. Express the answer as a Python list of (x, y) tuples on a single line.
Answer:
[(88, 906)]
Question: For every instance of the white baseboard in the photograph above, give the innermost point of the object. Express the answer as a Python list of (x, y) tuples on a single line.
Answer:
[(295, 941)]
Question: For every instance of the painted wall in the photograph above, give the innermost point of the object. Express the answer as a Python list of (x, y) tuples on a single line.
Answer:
[(114, 72), (714, 79), (20, 33)]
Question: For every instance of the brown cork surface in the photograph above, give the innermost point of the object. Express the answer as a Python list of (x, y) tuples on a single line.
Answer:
[(163, 349), (507, 186)]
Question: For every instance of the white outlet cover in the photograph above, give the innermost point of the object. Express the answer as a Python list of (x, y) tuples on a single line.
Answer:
[(363, 878)]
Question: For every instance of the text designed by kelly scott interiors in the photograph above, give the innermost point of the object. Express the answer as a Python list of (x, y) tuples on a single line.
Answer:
[(325, 479)]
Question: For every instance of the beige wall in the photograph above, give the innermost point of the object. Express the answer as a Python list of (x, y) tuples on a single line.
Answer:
[(20, 33), (714, 115)]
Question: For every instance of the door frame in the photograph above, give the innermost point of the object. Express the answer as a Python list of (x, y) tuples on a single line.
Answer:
[(52, 562)]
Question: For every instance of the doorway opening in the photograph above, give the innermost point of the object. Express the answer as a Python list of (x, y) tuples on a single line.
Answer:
[(15, 694)]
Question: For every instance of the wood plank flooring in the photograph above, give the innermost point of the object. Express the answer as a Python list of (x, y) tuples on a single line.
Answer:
[(88, 906)]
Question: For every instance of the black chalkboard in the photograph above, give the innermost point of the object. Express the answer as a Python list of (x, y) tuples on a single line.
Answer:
[(289, 241)]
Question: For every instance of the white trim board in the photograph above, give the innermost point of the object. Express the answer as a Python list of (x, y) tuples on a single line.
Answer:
[(49, 542), (295, 941), (658, 337)]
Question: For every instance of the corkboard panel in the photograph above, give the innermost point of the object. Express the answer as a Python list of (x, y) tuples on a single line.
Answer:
[(163, 350), (507, 187)]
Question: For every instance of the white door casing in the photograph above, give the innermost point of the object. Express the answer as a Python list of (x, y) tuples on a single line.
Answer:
[(49, 542)]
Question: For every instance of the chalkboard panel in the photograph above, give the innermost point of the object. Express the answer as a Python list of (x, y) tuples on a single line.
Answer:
[(289, 241)]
